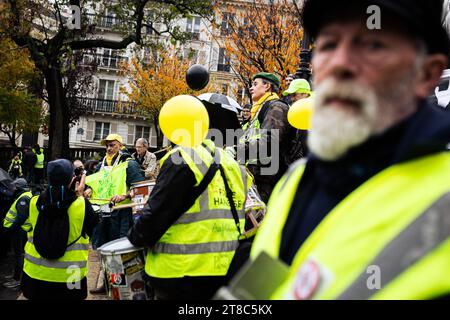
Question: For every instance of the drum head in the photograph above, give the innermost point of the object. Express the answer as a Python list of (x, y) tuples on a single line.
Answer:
[(118, 246)]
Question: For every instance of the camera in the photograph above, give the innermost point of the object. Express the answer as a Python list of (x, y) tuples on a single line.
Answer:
[(78, 171)]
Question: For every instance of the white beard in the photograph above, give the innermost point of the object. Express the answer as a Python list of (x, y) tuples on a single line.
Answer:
[(335, 131)]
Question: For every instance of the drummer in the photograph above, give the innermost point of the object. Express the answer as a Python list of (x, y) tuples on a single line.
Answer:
[(115, 187), (147, 160)]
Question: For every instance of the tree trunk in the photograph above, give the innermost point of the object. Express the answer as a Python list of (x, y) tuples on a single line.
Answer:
[(59, 115), (11, 136)]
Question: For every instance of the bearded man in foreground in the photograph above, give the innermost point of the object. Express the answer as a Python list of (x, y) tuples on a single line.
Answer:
[(366, 217)]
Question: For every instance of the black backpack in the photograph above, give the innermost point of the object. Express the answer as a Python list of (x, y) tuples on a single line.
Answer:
[(51, 232)]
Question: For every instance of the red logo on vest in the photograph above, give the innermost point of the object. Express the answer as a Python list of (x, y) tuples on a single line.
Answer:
[(307, 281)]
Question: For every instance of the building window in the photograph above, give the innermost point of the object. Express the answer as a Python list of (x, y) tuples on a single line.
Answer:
[(224, 88), (142, 132), (101, 130), (106, 90), (154, 23), (109, 59), (191, 55), (193, 26), (225, 28), (223, 63)]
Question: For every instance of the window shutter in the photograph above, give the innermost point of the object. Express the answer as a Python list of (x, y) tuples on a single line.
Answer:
[(90, 130), (153, 137), (130, 135), (113, 128)]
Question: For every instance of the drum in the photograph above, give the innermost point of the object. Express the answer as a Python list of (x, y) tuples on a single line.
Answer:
[(124, 270), (102, 210), (141, 192), (255, 210)]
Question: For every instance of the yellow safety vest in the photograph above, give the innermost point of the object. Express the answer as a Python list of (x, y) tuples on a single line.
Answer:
[(108, 182), (11, 216), (202, 242), (72, 266), (389, 239), (40, 160), (15, 163), (251, 133)]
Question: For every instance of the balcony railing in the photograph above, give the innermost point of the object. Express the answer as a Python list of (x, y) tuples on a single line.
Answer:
[(104, 22), (110, 106), (105, 61)]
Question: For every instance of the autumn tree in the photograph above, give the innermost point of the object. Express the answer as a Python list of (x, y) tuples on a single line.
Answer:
[(259, 35), (20, 109), (154, 80), (42, 26)]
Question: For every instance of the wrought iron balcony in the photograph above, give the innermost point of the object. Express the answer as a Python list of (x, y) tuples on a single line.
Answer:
[(105, 61), (110, 106), (104, 22)]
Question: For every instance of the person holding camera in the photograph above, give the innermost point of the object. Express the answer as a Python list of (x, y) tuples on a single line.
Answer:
[(78, 183)]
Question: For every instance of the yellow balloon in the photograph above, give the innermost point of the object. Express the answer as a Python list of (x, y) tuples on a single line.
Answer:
[(300, 114), (184, 120)]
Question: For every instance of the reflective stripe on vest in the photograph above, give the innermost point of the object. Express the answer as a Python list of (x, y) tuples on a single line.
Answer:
[(11, 216), (40, 160), (373, 225), (203, 240), (421, 237), (72, 266)]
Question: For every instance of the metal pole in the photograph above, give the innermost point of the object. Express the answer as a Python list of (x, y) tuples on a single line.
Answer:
[(304, 70)]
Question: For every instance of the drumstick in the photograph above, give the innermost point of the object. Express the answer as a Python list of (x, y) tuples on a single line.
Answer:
[(125, 206), (130, 205), (98, 199)]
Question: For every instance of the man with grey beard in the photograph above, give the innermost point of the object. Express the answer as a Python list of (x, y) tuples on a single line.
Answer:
[(366, 216)]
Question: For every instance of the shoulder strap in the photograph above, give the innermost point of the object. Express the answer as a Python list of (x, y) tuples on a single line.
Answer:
[(265, 108), (231, 201), (207, 178), (262, 113)]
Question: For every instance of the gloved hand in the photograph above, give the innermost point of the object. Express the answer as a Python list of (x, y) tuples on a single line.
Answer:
[(231, 150)]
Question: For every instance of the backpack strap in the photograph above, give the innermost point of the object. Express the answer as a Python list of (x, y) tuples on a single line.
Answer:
[(265, 108), (207, 178)]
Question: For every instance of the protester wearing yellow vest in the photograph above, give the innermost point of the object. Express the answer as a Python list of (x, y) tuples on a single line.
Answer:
[(265, 137), (39, 165), (15, 168), (48, 274), (192, 239), (12, 223), (111, 182), (366, 216)]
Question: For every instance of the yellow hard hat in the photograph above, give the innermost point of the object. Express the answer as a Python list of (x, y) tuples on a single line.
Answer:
[(112, 137)]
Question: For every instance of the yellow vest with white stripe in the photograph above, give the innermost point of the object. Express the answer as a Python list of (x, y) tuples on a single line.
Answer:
[(202, 242), (40, 160), (389, 239), (11, 216), (72, 266)]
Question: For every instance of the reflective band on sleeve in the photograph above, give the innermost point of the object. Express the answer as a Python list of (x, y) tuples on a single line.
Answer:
[(422, 236), (196, 248), (9, 220)]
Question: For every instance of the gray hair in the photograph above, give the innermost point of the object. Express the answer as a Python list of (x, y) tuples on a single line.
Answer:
[(143, 141)]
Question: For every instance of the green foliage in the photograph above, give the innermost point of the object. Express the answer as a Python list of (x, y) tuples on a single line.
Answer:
[(19, 109)]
